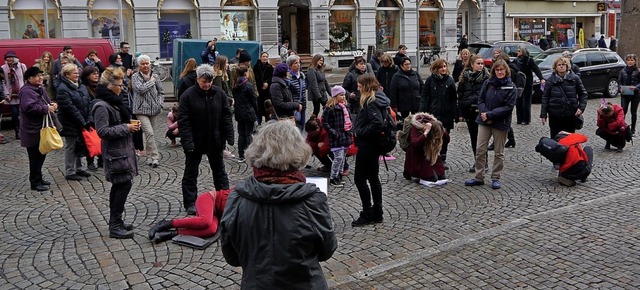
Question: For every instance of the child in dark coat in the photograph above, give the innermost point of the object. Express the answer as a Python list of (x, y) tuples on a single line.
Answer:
[(337, 122)]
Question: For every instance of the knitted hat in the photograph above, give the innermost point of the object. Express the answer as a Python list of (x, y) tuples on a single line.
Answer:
[(244, 56), (9, 54), (281, 70), (32, 72), (336, 90)]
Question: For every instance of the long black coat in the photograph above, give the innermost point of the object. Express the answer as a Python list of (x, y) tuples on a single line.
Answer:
[(74, 108), (385, 75), (186, 82), (263, 73), (557, 103), (245, 106), (405, 91), (281, 98), (439, 99), (205, 120)]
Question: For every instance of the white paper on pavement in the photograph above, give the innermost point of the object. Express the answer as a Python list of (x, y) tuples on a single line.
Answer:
[(434, 184)]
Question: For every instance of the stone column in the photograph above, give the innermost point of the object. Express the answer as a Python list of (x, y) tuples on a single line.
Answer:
[(74, 21), (147, 32), (209, 22), (448, 31), (268, 30), (367, 27), (319, 30), (5, 33)]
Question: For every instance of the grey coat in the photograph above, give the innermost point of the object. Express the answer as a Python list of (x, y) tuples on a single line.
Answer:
[(318, 86), (120, 164), (148, 95)]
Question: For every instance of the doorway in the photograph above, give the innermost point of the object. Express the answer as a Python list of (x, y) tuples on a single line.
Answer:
[(295, 26)]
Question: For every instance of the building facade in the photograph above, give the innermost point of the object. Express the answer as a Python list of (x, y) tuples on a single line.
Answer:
[(335, 28)]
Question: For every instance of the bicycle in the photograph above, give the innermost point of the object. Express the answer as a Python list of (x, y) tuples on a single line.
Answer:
[(162, 72), (430, 55)]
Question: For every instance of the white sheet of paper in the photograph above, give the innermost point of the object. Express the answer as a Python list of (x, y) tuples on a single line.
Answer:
[(433, 184), (320, 182)]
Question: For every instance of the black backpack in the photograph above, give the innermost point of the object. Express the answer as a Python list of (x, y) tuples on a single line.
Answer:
[(552, 150), (389, 131)]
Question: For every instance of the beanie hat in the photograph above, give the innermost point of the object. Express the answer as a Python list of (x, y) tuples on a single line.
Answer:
[(336, 90), (281, 70), (244, 56), (9, 54), (32, 72)]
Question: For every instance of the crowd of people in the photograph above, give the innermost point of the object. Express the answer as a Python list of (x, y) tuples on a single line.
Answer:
[(123, 103)]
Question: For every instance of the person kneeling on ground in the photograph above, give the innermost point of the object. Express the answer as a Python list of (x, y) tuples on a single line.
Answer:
[(209, 208), (611, 126), (423, 158), (578, 161)]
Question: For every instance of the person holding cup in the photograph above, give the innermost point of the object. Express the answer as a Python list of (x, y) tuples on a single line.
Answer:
[(115, 127)]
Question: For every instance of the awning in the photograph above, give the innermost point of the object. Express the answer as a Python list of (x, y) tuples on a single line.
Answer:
[(553, 15), (475, 3), (399, 3), (331, 2), (224, 2)]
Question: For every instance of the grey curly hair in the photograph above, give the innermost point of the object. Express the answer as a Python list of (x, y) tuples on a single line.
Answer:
[(278, 145)]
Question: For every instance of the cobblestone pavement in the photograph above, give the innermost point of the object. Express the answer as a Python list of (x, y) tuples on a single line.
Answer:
[(533, 233)]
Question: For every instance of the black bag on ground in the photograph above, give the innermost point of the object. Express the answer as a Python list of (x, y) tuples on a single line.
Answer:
[(552, 150), (628, 135)]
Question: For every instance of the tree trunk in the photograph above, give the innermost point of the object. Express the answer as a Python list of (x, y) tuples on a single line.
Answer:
[(629, 42)]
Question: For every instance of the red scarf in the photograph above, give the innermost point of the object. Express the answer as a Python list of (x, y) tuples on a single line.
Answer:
[(15, 85), (275, 176)]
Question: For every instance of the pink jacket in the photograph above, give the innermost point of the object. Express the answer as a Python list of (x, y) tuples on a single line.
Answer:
[(172, 123)]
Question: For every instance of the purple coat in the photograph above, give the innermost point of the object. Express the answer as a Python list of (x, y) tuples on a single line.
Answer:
[(34, 105)]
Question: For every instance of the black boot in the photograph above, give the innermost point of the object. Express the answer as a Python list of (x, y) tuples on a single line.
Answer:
[(491, 147), (511, 143), (366, 218), (378, 214), (162, 226), (164, 236), (117, 229)]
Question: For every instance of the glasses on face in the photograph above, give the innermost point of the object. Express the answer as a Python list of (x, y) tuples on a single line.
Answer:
[(500, 69)]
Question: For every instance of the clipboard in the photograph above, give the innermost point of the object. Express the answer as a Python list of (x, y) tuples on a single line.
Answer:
[(627, 90)]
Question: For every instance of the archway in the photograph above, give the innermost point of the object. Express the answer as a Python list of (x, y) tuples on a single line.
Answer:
[(294, 24)]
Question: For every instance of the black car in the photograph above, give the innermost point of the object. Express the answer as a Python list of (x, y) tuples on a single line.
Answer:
[(599, 70), (486, 49)]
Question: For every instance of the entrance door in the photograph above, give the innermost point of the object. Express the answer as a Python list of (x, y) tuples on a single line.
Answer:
[(295, 25)]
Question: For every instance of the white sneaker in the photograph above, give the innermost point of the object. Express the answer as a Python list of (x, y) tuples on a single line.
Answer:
[(227, 154)]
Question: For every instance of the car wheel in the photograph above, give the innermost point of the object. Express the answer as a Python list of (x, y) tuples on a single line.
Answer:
[(612, 88)]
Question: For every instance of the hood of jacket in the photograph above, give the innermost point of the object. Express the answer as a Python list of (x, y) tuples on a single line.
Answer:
[(418, 120), (382, 100), (265, 193), (276, 79)]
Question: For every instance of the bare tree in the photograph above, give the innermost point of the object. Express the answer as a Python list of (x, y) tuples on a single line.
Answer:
[(629, 27)]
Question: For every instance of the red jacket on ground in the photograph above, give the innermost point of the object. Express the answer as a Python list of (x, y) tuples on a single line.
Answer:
[(575, 153)]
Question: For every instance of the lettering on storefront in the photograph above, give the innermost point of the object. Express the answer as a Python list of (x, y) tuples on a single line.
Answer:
[(321, 29)]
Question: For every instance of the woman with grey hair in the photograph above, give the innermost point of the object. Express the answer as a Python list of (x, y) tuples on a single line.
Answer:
[(298, 87), (204, 119), (526, 65), (299, 229), (148, 98), (74, 114)]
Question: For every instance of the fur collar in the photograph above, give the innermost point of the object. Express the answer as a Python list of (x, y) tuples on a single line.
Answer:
[(416, 120)]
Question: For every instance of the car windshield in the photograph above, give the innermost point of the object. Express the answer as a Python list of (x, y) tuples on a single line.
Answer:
[(482, 51), (547, 60)]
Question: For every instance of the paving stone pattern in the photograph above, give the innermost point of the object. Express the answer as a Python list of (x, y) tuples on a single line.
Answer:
[(531, 234)]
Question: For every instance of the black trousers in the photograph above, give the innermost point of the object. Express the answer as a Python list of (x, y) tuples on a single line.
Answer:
[(473, 134), (316, 107), (523, 105), (634, 101), (445, 145), (191, 170), (117, 197), (581, 170), (36, 160), (245, 129), (616, 140), (367, 167), (557, 124)]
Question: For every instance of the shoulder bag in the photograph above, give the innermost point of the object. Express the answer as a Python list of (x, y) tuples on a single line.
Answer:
[(49, 137), (578, 120)]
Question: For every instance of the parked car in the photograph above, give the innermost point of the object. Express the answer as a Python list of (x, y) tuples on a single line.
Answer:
[(486, 49), (599, 70)]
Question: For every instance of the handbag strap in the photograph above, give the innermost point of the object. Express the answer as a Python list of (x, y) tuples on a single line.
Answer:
[(47, 120)]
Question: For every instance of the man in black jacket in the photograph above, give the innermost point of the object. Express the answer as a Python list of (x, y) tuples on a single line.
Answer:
[(127, 59), (205, 123)]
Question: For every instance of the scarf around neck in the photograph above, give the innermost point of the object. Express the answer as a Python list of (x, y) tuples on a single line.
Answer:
[(114, 100), (275, 176)]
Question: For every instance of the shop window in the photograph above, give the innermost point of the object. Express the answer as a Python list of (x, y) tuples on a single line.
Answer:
[(429, 28), (29, 24), (173, 26), (388, 25), (238, 25), (529, 29), (562, 32), (342, 25)]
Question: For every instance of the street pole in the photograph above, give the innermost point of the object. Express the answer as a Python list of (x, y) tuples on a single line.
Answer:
[(120, 21), (418, 33), (46, 19)]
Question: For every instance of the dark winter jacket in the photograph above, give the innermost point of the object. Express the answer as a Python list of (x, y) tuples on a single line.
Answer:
[(74, 108), (439, 99), (186, 82), (263, 73), (318, 86), (205, 121), (34, 105), (562, 97), (528, 66), (333, 123), (375, 64), (245, 106), (405, 91), (497, 99), (397, 59), (350, 85), (469, 92), (629, 76), (385, 75), (120, 161), (368, 125), (458, 67), (127, 61), (278, 234), (281, 98)]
